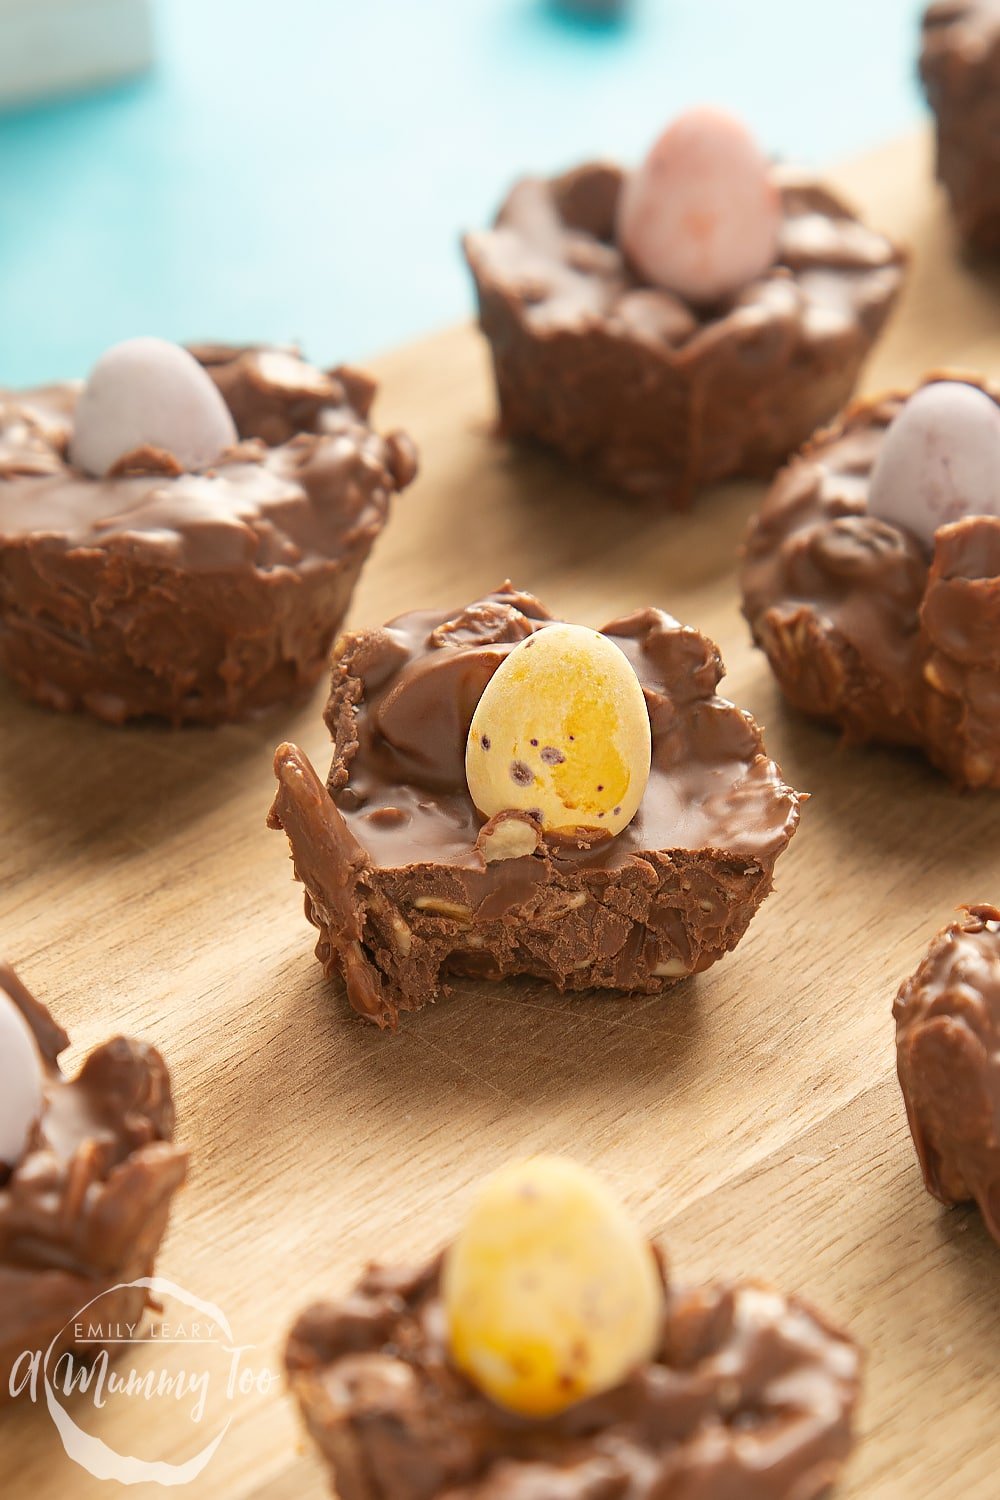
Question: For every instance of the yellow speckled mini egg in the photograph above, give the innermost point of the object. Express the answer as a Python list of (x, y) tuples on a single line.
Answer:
[(551, 1292), (561, 731)]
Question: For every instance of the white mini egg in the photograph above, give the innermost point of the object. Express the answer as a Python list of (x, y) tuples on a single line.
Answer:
[(939, 460), (561, 731), (148, 392), (702, 214), (21, 1083)]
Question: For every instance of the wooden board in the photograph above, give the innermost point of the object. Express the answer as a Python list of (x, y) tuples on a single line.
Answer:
[(752, 1118)]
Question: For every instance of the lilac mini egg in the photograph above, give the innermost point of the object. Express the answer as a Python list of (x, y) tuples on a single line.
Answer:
[(702, 215), (21, 1083), (939, 461), (149, 393)]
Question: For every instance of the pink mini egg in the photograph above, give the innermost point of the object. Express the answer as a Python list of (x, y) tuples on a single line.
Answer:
[(939, 461), (702, 215), (21, 1083), (149, 393)]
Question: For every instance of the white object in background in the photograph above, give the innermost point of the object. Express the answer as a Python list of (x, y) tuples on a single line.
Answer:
[(50, 47), (22, 1095)]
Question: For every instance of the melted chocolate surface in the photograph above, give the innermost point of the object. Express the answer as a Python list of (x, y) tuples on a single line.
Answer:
[(406, 881), (861, 626), (289, 495), (402, 789), (191, 596), (750, 1397), (655, 395)]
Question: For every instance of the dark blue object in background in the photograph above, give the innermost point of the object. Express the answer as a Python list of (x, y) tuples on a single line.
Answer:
[(599, 12)]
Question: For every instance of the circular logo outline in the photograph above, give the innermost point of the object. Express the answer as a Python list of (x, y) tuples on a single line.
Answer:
[(91, 1453)]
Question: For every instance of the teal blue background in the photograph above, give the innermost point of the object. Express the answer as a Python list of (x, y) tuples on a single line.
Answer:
[(303, 168)]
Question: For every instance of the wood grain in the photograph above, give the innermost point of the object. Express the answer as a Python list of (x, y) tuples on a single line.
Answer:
[(752, 1118)]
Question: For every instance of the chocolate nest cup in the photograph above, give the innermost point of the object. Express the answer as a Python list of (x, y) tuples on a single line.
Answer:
[(83, 1213), (194, 598), (402, 876), (960, 68), (948, 1059), (750, 1394), (860, 626), (646, 391)]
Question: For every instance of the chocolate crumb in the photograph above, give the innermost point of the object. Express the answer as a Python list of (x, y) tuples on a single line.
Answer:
[(521, 773), (550, 755)]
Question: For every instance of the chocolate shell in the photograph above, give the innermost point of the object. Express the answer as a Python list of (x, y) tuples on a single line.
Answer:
[(640, 388), (750, 1394), (83, 1213), (960, 68), (401, 873), (194, 598), (861, 627)]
